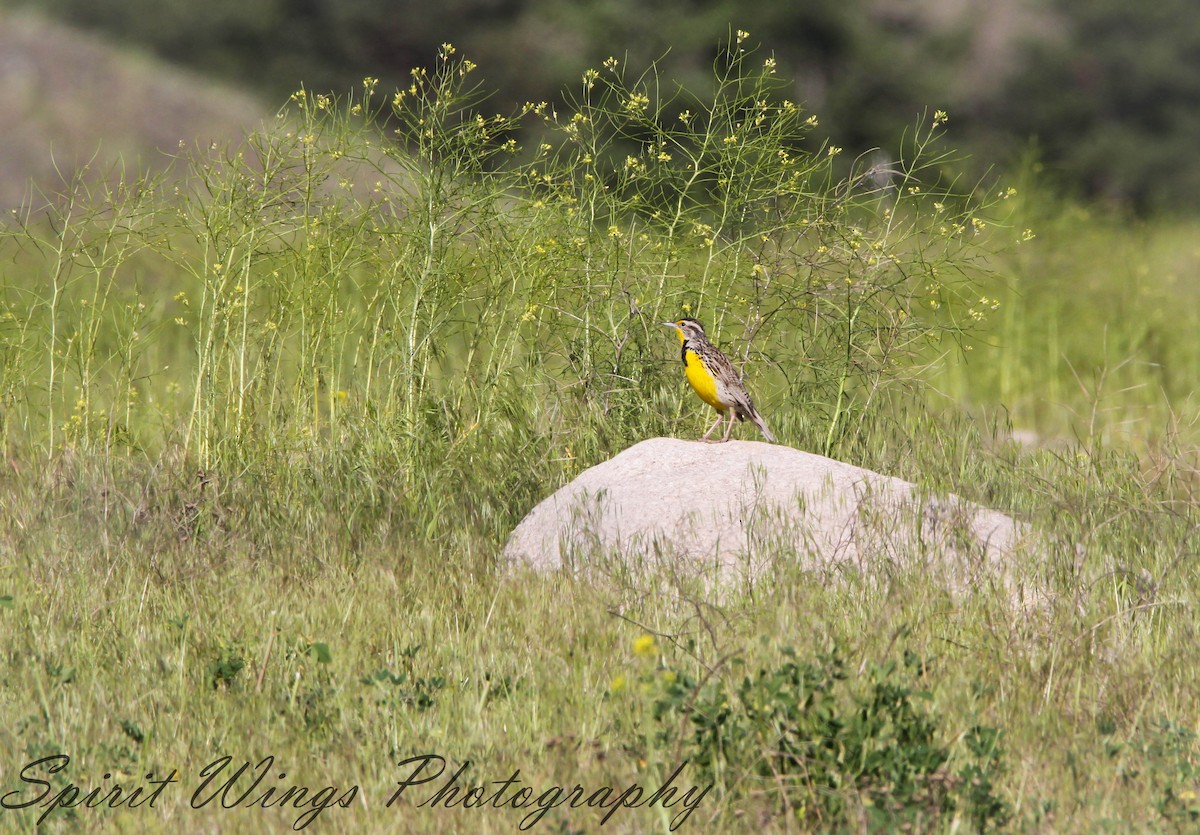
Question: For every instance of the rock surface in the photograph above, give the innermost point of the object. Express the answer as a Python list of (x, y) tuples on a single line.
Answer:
[(730, 510)]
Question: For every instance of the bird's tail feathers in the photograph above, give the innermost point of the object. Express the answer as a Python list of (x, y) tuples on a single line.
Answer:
[(757, 420)]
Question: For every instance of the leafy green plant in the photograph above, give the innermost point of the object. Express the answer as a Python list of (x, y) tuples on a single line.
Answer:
[(1167, 756), (399, 690), (405, 689), (225, 666), (833, 747)]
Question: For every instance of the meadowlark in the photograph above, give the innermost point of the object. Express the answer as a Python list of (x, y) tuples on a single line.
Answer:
[(713, 377)]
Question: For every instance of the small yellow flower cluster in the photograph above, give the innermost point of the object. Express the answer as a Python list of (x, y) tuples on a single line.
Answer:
[(985, 305), (637, 103), (655, 150), (644, 646), (935, 291), (571, 129), (589, 78), (610, 64), (980, 313), (648, 680), (940, 117), (761, 115), (742, 35), (74, 426)]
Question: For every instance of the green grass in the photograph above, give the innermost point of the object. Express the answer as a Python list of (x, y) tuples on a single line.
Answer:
[(1092, 335), (265, 437)]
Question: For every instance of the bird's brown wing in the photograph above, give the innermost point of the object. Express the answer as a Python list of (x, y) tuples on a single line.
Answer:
[(732, 384), (742, 404)]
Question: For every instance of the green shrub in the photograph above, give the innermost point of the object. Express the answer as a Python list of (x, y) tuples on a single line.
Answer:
[(830, 746)]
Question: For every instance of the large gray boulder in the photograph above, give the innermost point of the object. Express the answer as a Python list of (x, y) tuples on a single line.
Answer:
[(730, 511)]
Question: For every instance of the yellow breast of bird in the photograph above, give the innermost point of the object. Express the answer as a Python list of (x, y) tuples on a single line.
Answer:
[(702, 381)]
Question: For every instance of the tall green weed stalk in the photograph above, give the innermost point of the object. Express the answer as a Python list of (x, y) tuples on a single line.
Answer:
[(468, 302)]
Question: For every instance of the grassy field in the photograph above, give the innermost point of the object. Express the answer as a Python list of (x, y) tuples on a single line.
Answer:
[(265, 432)]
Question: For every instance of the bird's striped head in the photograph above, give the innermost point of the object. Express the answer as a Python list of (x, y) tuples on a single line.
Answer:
[(687, 328)]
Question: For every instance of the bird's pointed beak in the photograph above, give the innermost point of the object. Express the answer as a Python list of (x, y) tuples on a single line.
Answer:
[(669, 324)]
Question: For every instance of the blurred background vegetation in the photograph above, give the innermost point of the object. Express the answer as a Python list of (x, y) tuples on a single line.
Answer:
[(1103, 95)]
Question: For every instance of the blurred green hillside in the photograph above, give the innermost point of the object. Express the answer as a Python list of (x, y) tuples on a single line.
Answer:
[(1106, 93), (70, 99)]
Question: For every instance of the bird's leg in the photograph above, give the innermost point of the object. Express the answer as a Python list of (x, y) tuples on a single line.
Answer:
[(729, 429), (720, 418)]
